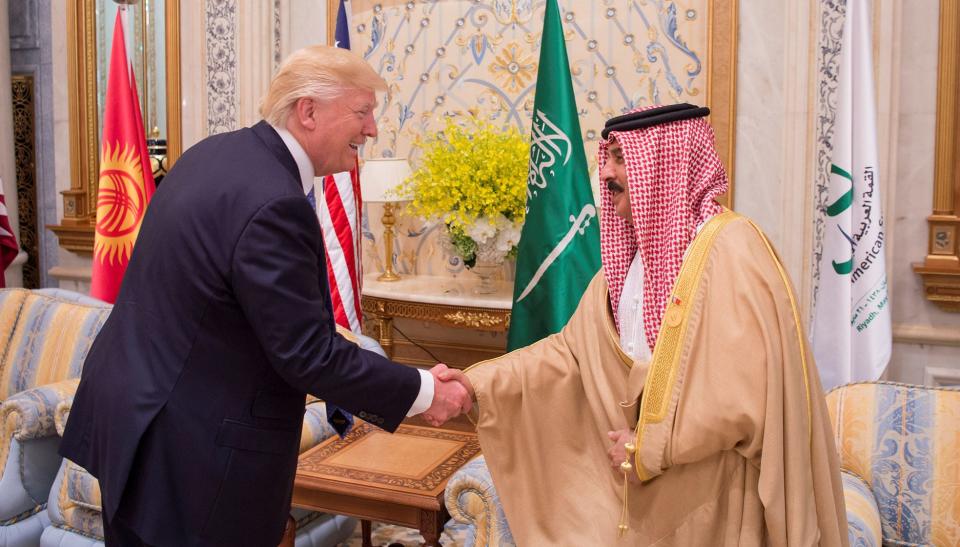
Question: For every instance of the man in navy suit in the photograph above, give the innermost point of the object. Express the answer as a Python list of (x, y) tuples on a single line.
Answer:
[(190, 405)]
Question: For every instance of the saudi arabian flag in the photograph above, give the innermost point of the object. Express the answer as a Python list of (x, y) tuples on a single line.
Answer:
[(559, 250), (851, 322)]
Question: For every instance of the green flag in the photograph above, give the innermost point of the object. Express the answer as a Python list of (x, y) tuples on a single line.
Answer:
[(559, 250)]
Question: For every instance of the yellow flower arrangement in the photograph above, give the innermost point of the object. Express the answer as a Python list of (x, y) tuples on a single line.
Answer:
[(474, 180)]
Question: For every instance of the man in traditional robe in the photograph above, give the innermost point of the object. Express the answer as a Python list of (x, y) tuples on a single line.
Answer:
[(687, 349)]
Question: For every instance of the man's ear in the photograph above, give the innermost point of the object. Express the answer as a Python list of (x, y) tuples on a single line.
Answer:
[(304, 112)]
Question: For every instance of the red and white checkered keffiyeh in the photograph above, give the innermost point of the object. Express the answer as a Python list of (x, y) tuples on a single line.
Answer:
[(674, 174)]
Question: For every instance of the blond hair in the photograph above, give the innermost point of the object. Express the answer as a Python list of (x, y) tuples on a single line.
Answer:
[(321, 72)]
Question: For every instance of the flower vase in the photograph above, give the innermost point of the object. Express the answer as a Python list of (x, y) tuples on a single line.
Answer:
[(485, 270)]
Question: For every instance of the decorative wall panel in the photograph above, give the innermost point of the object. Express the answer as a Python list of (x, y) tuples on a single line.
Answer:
[(828, 64), (466, 57), (25, 159), (221, 69), (461, 58)]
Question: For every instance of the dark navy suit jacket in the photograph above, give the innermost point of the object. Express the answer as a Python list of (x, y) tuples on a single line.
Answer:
[(190, 404)]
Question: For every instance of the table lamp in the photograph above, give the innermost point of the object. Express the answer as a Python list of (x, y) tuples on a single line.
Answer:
[(380, 181)]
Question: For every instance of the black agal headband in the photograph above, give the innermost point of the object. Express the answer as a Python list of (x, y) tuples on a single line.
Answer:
[(654, 116)]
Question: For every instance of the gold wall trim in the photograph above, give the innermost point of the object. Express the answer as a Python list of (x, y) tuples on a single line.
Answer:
[(174, 123), (940, 269), (332, 7), (76, 228), (945, 169), (722, 84)]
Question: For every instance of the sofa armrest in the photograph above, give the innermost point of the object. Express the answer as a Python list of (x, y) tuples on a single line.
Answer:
[(316, 429), (60, 415), (471, 499), (30, 414), (863, 515), (28, 449)]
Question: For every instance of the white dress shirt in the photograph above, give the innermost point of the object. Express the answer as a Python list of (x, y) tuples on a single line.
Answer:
[(425, 397), (633, 339)]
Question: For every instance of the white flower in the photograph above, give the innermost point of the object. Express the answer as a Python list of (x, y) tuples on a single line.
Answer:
[(481, 230), (508, 236)]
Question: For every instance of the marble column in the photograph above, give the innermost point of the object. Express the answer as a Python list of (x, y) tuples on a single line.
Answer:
[(14, 273)]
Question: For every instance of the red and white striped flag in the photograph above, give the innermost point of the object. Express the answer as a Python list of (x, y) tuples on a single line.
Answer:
[(339, 212), (8, 242)]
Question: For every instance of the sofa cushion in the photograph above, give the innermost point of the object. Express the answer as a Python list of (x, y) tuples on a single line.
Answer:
[(11, 300), (79, 500), (49, 341), (80, 519), (902, 441)]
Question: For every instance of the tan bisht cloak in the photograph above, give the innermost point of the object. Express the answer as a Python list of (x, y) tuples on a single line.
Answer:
[(734, 445)]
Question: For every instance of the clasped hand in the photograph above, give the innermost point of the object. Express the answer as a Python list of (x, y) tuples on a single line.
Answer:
[(618, 452), (452, 395)]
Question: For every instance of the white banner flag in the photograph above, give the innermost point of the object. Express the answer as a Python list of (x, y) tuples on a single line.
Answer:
[(851, 323)]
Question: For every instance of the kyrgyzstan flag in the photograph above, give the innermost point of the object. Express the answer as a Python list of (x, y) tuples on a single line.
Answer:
[(126, 181)]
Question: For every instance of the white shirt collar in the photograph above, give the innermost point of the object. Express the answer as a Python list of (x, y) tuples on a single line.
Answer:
[(300, 156)]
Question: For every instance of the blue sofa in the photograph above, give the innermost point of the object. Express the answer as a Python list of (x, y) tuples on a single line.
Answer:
[(898, 449), (45, 500)]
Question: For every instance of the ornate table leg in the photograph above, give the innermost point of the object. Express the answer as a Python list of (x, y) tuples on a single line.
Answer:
[(366, 530), (431, 526)]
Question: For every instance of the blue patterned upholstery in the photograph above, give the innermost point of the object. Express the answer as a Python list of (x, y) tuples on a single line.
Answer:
[(74, 502), (863, 516), (471, 499), (898, 449), (44, 338), (902, 441), (49, 340)]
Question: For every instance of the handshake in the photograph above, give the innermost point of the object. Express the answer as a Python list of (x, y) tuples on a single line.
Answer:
[(452, 395)]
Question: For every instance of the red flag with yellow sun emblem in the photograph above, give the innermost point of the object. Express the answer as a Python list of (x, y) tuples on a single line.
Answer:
[(126, 181)]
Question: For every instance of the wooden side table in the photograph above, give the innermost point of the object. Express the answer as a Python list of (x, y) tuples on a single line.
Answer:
[(396, 478), (446, 301)]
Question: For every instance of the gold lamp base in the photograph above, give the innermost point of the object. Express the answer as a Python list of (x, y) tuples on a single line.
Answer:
[(388, 221)]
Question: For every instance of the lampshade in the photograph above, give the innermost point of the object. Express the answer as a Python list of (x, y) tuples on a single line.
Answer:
[(380, 180)]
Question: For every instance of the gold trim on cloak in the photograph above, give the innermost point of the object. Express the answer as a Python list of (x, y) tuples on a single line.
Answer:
[(666, 352), (662, 375)]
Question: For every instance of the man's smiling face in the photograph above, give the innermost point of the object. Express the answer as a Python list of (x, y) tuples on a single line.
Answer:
[(340, 126)]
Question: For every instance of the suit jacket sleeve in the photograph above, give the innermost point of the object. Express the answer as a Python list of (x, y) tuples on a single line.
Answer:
[(278, 279)]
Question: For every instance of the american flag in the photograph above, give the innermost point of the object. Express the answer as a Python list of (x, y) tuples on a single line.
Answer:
[(8, 242), (339, 213)]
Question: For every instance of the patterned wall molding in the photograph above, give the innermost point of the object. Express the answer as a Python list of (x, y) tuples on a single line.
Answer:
[(830, 27), (221, 69), (277, 55), (25, 161)]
